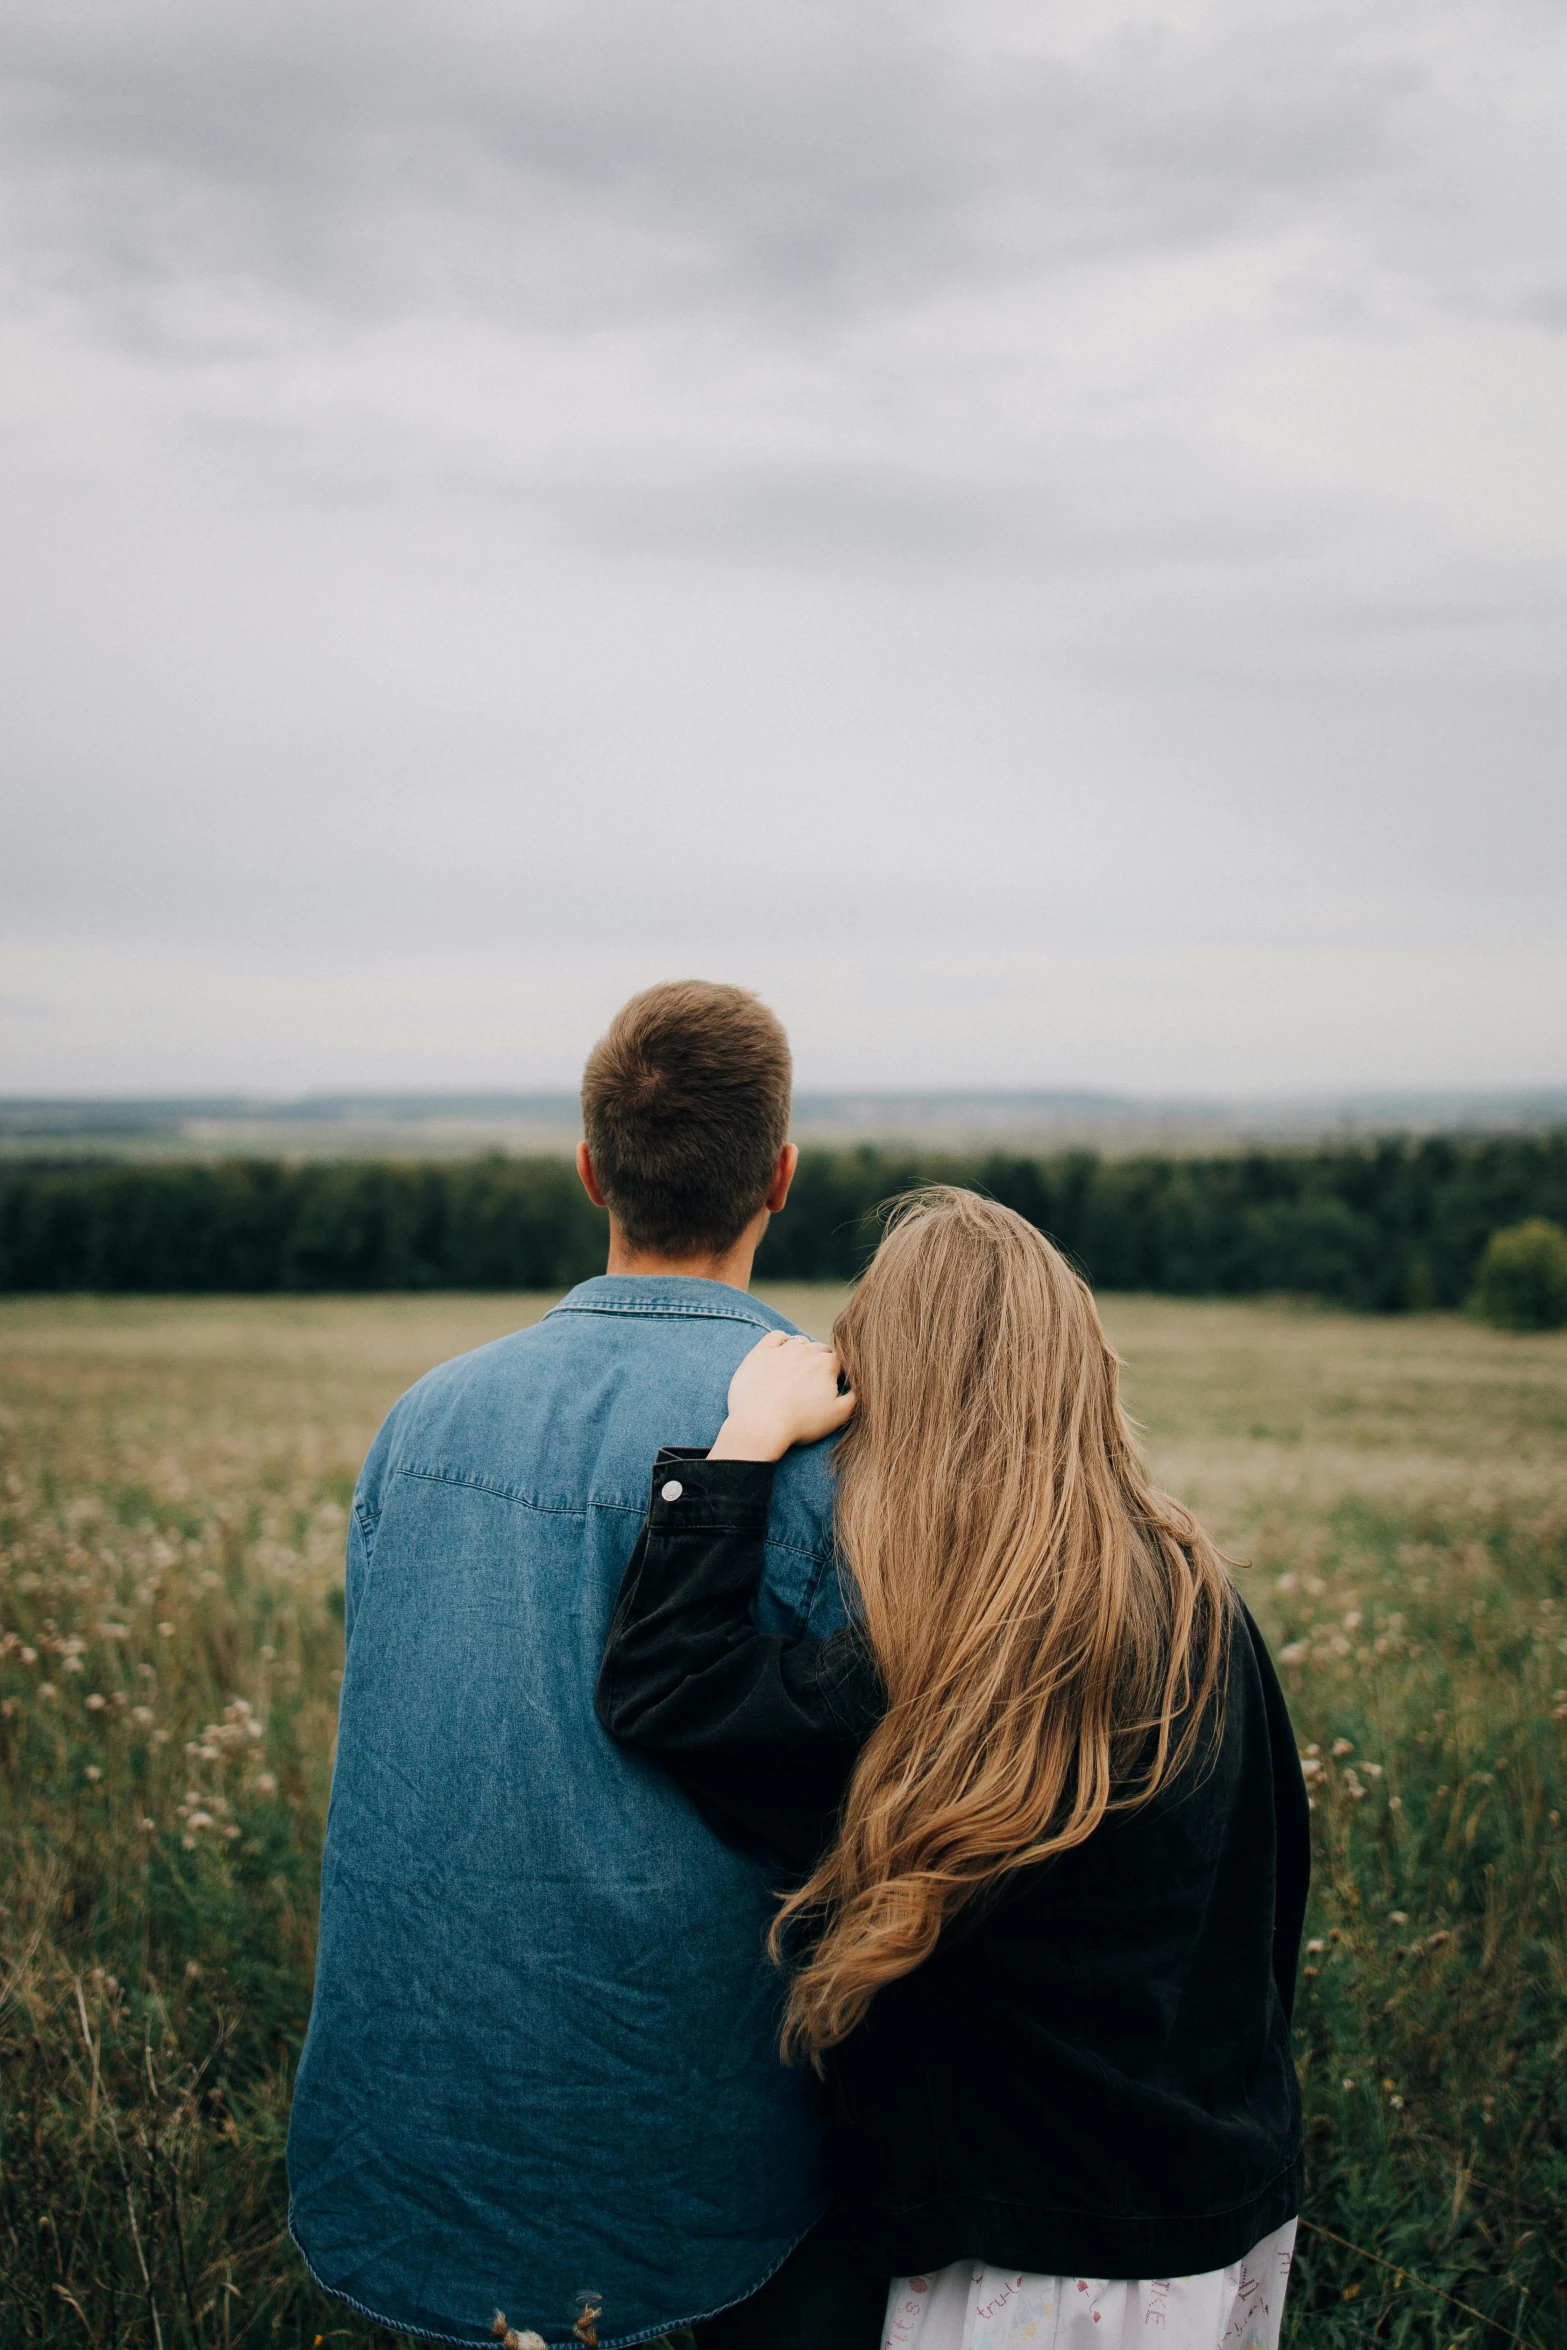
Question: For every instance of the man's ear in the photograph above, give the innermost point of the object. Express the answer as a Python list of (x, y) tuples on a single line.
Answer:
[(590, 1182), (783, 1176)]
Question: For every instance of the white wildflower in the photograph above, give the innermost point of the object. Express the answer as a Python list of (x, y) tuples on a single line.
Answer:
[(509, 2337)]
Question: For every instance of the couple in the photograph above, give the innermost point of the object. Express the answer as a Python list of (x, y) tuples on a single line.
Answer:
[(850, 1897)]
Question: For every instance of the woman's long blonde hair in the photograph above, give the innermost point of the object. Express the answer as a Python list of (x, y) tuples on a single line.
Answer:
[(1050, 1628)]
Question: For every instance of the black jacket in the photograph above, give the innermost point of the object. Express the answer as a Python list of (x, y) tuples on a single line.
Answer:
[(1092, 2073)]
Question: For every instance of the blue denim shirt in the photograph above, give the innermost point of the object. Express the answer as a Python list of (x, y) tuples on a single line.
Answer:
[(542, 2055)]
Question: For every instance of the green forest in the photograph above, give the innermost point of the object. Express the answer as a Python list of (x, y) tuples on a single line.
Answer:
[(1387, 1227)]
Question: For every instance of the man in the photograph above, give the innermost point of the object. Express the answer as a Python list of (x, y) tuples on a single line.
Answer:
[(541, 2073)]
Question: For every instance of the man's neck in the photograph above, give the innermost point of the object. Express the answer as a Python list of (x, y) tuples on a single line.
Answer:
[(732, 1266)]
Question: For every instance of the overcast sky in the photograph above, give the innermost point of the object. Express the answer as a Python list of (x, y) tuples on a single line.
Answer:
[(1036, 535)]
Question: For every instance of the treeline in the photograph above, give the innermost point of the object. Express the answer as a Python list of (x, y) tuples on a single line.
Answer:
[(259, 1225), (1389, 1226)]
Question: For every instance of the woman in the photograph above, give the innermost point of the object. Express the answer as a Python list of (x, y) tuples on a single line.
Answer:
[(1044, 1797)]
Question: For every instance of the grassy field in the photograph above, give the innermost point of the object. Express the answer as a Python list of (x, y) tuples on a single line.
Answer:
[(174, 1479)]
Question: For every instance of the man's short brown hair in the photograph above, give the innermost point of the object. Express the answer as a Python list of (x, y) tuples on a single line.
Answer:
[(685, 1105)]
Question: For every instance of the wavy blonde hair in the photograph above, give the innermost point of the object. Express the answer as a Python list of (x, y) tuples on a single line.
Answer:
[(1050, 1628)]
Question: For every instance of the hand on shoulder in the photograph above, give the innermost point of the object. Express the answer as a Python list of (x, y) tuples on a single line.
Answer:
[(785, 1392)]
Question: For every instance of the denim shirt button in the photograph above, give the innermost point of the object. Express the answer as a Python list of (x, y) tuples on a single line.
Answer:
[(672, 1491)]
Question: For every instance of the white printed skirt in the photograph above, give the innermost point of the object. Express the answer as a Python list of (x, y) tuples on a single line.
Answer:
[(969, 2307)]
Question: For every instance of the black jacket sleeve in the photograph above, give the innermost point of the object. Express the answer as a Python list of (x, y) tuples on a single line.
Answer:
[(1292, 1823), (761, 1732)]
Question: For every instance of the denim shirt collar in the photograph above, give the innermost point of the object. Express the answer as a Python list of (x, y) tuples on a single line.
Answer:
[(669, 1293)]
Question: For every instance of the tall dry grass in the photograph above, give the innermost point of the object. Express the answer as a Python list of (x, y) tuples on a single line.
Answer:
[(1400, 1489), (173, 1484), (172, 1507)]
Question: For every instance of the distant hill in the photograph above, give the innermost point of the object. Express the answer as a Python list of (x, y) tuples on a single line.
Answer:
[(456, 1125)]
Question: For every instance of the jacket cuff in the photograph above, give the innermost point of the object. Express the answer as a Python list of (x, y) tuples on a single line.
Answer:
[(689, 1491)]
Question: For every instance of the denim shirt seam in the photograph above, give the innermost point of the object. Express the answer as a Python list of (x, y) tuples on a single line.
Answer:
[(813, 1589), (799, 1550), (521, 1501), (562, 1509), (664, 1307)]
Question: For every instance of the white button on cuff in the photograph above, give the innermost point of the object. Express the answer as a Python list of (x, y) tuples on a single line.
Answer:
[(672, 1491)]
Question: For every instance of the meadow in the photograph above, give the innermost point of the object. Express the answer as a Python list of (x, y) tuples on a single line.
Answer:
[(174, 1481)]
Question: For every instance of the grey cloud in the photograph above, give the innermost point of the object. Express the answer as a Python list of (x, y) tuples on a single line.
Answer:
[(389, 155), (921, 490), (1547, 307), (881, 515)]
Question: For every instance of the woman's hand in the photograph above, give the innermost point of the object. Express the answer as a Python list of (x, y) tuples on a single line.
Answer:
[(785, 1392)]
